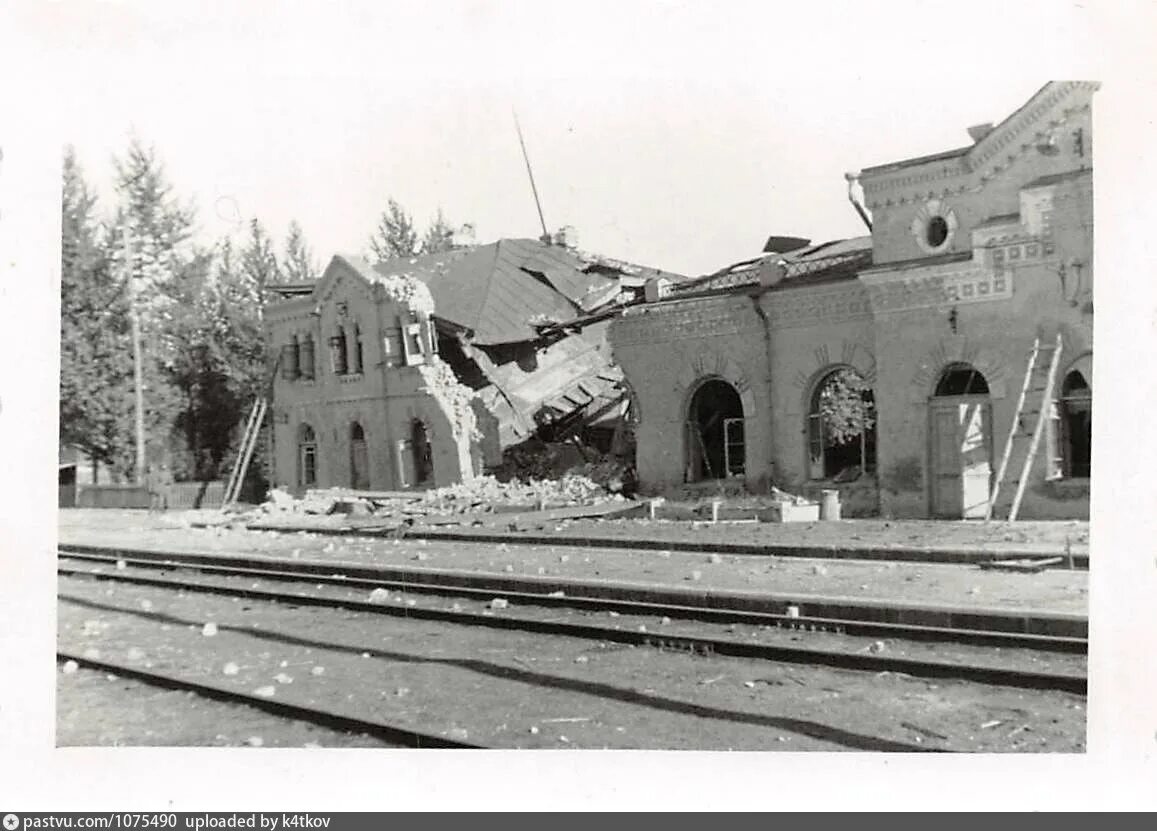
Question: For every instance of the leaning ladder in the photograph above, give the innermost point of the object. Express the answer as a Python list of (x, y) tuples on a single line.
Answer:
[(245, 452), (1016, 435)]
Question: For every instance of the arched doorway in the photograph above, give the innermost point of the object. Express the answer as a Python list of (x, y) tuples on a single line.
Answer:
[(715, 434), (359, 458), (961, 443), (1075, 412)]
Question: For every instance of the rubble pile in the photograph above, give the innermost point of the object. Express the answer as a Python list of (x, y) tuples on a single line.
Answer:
[(403, 288), (568, 490), (535, 460)]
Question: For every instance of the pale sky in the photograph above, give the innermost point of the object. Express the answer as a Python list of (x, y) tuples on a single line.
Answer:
[(678, 135)]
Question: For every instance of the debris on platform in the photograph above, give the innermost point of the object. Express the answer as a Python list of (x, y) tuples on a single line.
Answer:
[(923, 731), (1028, 565), (379, 596)]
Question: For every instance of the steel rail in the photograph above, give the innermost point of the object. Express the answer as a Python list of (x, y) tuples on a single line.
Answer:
[(313, 574), (1065, 682), (294, 712)]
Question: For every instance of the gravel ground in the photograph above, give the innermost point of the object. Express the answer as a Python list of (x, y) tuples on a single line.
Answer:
[(511, 689), (912, 583), (661, 627), (99, 709)]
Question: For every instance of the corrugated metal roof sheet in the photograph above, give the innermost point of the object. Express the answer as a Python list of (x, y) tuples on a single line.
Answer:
[(493, 290), (828, 260)]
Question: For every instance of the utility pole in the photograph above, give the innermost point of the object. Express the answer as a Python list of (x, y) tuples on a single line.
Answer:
[(138, 381), (530, 173)]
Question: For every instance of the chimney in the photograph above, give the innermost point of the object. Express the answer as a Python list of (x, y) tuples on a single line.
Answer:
[(566, 237), (463, 237), (771, 271), (656, 289), (978, 131)]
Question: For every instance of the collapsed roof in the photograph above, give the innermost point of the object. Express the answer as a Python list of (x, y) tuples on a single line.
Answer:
[(524, 324), (505, 291)]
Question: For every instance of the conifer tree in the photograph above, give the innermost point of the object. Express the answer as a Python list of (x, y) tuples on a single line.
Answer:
[(439, 235), (298, 263), (95, 352), (395, 235)]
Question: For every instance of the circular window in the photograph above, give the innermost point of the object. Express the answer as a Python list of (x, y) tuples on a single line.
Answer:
[(933, 226), (937, 231)]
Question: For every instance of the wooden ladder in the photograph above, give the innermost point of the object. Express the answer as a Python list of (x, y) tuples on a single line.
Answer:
[(1039, 380), (245, 452)]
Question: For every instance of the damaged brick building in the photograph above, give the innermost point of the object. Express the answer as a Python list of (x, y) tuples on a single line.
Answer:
[(419, 372), (974, 253)]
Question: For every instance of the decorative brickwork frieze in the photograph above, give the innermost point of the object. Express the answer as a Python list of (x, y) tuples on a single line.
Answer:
[(804, 307), (679, 322)]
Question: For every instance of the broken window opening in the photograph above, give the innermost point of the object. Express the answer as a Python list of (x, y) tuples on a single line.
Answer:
[(1073, 432), (423, 452), (716, 441), (337, 352), (961, 379), (306, 456), (412, 338), (841, 427)]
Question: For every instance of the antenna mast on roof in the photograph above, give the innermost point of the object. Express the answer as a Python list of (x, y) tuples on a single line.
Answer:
[(530, 173)]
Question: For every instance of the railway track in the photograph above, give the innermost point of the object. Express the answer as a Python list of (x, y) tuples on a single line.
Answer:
[(388, 733), (214, 578), (777, 612)]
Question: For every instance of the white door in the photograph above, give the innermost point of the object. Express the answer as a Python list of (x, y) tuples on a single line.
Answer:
[(961, 463)]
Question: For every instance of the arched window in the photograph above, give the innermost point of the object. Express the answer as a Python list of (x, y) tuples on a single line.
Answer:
[(961, 379), (359, 458), (291, 360), (423, 452), (1074, 432), (337, 352), (306, 456), (357, 368), (307, 360), (841, 427)]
